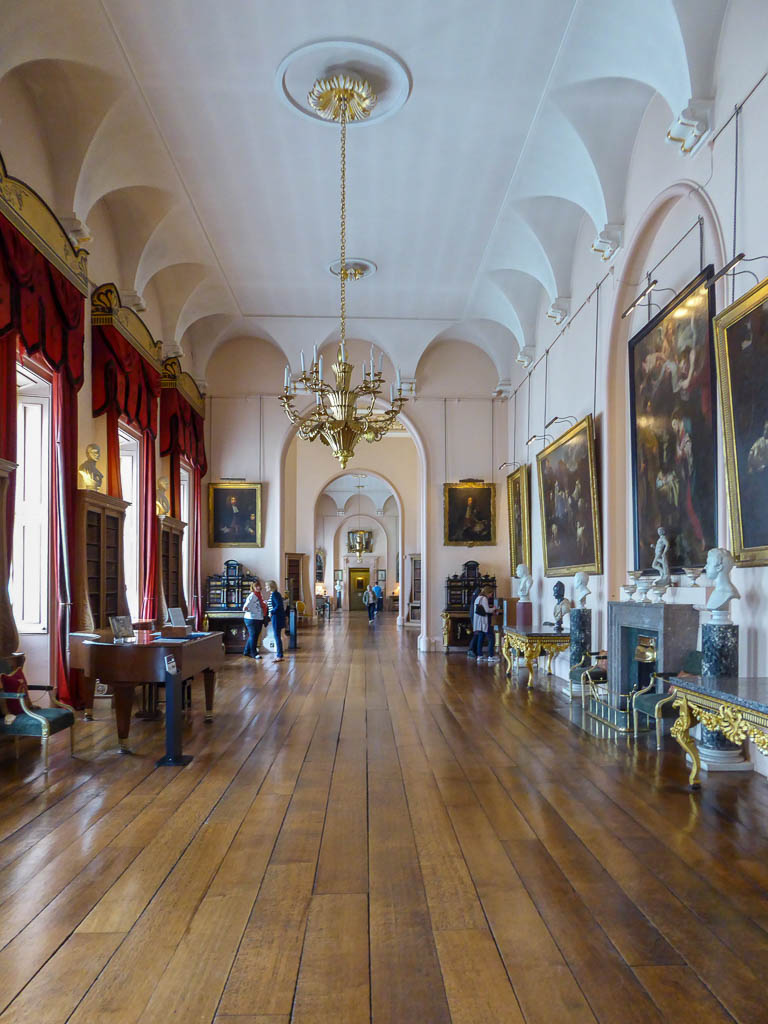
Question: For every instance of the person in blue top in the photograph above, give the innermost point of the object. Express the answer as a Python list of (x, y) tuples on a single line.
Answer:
[(277, 615), (379, 597)]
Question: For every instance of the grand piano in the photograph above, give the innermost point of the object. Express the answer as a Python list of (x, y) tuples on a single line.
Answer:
[(124, 666)]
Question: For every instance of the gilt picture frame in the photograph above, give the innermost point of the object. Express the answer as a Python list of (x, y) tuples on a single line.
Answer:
[(673, 423), (469, 514), (741, 349), (569, 503), (234, 515), (519, 517)]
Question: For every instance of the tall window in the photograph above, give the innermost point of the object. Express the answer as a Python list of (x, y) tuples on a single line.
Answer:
[(129, 480), (185, 500), (29, 565)]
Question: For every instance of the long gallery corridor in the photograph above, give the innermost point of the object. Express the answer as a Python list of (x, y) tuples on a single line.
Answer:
[(369, 834)]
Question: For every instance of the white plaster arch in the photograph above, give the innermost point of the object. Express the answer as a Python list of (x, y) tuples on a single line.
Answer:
[(615, 457), (209, 297), (231, 328), (518, 247), (134, 211), (178, 238), (425, 511), (463, 334)]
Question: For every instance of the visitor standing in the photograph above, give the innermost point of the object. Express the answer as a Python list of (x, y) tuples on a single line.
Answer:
[(254, 614), (277, 614), (379, 597), (369, 600), (482, 626)]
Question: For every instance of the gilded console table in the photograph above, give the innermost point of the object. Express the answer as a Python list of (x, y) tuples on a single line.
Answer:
[(530, 642), (736, 706)]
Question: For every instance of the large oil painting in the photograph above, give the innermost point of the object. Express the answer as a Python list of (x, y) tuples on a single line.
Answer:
[(741, 333), (672, 416), (519, 510), (234, 515), (569, 503), (469, 513)]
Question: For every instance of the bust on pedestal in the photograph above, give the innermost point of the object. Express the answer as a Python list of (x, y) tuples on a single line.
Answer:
[(524, 609), (720, 657)]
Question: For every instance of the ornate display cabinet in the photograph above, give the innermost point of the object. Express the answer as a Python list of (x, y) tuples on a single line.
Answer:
[(225, 596), (170, 568), (414, 601), (457, 619), (99, 583)]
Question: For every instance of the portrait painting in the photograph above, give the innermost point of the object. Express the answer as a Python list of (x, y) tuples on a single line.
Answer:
[(741, 339), (469, 513), (569, 503), (519, 511), (234, 515), (673, 427)]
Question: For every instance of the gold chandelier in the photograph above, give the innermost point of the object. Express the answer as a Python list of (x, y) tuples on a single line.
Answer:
[(337, 419)]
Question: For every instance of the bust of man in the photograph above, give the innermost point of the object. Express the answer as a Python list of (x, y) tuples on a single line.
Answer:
[(562, 605), (523, 573), (718, 570), (581, 589), (162, 502), (91, 476)]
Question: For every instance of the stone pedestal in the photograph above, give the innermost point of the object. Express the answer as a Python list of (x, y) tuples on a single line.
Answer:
[(524, 613), (720, 657), (581, 634)]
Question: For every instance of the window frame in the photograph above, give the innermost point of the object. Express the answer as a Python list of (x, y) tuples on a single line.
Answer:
[(136, 440)]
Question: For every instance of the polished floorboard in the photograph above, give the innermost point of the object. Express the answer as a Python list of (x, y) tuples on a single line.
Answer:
[(366, 833)]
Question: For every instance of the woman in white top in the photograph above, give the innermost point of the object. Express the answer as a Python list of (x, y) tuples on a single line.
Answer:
[(254, 613), (482, 626)]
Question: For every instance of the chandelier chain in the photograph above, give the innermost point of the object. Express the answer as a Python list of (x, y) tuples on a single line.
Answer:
[(343, 225)]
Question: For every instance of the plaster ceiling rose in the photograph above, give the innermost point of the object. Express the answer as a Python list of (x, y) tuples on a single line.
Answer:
[(357, 268), (384, 73)]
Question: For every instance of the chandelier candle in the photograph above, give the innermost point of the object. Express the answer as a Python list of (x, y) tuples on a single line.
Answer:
[(342, 414)]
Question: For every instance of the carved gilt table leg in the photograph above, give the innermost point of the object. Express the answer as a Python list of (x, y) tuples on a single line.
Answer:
[(506, 645), (530, 651), (681, 732)]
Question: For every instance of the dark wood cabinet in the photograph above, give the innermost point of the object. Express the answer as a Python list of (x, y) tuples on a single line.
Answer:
[(99, 579), (225, 597), (170, 567)]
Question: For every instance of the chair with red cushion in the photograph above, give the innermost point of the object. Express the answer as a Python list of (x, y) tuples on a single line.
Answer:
[(19, 717)]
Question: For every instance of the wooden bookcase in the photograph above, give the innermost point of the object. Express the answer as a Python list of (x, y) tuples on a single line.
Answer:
[(99, 578), (414, 603), (170, 568)]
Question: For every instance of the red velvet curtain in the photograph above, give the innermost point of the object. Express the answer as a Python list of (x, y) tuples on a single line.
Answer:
[(196, 604), (42, 312), (126, 386), (182, 434), (149, 527)]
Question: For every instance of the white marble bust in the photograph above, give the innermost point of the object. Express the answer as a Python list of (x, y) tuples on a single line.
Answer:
[(523, 573), (718, 570), (581, 589)]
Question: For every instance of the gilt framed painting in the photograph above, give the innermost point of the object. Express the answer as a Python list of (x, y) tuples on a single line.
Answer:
[(519, 518), (674, 428), (469, 514), (234, 515), (741, 345), (569, 503)]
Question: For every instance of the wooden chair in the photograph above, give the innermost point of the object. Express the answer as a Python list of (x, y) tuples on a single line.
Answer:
[(656, 703), (34, 721)]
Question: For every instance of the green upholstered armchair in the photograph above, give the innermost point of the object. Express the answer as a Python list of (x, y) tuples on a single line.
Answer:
[(657, 704), (34, 721), (591, 671)]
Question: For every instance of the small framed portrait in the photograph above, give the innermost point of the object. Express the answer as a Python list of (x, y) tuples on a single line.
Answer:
[(469, 514), (381, 575), (234, 515), (568, 498), (741, 345), (338, 575), (519, 510)]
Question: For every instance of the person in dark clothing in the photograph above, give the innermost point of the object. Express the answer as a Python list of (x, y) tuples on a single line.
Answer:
[(277, 614)]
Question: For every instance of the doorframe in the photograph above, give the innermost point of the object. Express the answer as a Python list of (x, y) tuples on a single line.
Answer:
[(350, 569)]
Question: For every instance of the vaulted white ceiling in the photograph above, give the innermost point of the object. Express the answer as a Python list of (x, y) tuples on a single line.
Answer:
[(520, 124)]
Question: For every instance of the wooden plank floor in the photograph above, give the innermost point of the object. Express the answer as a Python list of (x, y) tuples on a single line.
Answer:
[(370, 834)]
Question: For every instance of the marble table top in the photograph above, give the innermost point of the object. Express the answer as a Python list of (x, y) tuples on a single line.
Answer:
[(538, 629), (748, 691)]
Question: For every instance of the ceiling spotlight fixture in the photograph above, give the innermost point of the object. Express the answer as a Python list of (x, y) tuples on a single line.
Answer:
[(646, 291), (337, 419)]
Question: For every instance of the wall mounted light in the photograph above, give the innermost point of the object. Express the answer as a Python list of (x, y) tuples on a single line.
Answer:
[(561, 419), (727, 268), (506, 464), (646, 291), (539, 437)]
